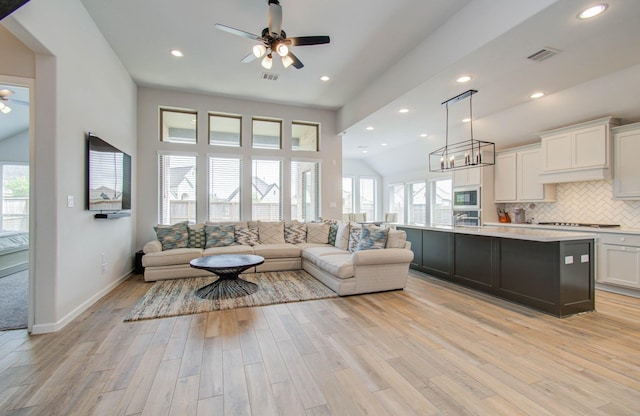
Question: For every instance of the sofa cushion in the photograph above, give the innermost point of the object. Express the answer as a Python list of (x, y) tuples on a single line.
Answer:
[(271, 232), (317, 232), (171, 257), (312, 253), (304, 246), (277, 251), (219, 235), (295, 233), (396, 239), (173, 236), (339, 265), (372, 238), (235, 249), (197, 236), (246, 236), (354, 237), (342, 236)]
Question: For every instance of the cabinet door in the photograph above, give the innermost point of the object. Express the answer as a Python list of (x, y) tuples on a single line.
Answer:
[(556, 151), (466, 177), (528, 173), (619, 265), (626, 183), (590, 147), (505, 178)]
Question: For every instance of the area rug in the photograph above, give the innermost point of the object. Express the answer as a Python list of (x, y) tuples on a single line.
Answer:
[(177, 297), (14, 300)]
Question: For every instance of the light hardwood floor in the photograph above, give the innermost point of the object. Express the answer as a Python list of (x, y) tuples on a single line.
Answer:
[(432, 349)]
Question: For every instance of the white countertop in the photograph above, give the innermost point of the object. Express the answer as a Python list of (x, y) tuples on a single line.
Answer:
[(519, 233), (635, 231)]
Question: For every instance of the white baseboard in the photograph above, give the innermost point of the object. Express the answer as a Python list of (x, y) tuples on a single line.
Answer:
[(58, 325)]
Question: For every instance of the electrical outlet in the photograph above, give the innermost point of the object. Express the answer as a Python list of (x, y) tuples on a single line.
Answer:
[(70, 201)]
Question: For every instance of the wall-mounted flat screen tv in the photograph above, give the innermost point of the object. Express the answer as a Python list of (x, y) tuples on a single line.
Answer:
[(109, 176)]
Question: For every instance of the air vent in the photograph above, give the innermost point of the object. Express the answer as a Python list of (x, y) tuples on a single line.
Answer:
[(270, 77), (542, 54)]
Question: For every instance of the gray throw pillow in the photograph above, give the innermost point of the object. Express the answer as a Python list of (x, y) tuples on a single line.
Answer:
[(173, 236), (219, 235)]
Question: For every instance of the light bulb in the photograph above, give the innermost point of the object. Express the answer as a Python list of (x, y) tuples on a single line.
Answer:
[(259, 50), (267, 62), (287, 61), (5, 109), (282, 49)]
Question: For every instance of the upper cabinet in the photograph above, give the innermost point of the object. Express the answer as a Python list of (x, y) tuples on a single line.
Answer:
[(517, 177), (626, 169), (581, 152), (467, 177)]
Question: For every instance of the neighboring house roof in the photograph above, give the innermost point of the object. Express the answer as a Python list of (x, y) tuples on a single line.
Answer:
[(259, 185)]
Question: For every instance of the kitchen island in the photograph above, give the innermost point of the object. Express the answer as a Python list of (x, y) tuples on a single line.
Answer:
[(551, 271)]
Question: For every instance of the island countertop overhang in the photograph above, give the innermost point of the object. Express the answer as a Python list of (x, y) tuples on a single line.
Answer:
[(529, 234)]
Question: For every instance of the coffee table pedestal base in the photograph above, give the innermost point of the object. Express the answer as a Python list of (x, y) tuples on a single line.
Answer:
[(227, 287)]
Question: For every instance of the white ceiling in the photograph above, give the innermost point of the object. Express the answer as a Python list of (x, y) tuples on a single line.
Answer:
[(385, 55)]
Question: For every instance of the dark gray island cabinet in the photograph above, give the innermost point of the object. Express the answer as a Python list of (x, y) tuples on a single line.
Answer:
[(551, 271)]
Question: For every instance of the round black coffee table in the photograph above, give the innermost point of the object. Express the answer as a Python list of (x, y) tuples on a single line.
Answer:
[(227, 267)]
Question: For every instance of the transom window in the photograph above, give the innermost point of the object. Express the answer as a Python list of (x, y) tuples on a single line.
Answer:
[(267, 134), (178, 126), (225, 130), (304, 136)]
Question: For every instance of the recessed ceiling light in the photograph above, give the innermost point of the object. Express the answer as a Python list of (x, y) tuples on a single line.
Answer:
[(365, 151), (592, 11), (177, 53), (403, 110), (424, 135), (537, 95), (370, 128), (464, 78), (383, 144), (324, 78), (466, 120)]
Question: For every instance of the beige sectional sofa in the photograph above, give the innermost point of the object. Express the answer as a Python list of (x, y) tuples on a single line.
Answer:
[(345, 267)]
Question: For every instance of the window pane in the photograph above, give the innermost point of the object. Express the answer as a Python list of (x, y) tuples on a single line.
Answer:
[(305, 191), (347, 195), (15, 198), (417, 209), (224, 130), (396, 201), (178, 126), (266, 202), (441, 213), (266, 134), (304, 137), (224, 189), (368, 198), (177, 189)]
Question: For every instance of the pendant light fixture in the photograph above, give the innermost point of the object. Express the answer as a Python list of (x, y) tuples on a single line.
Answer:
[(465, 154)]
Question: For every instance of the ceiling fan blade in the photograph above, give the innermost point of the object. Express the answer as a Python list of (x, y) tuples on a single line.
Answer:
[(248, 58), (237, 32), (308, 40), (275, 17), (297, 63)]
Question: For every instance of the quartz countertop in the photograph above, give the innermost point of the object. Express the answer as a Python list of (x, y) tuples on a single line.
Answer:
[(519, 233), (596, 230)]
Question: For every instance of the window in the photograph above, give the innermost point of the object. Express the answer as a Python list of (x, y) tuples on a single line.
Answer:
[(266, 197), (177, 188), (305, 191), (441, 213), (368, 198), (348, 203), (178, 126), (304, 137), (417, 209), (396, 201), (15, 198), (224, 130), (224, 188), (267, 134)]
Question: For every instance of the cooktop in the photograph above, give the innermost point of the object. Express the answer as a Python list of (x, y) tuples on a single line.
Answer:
[(577, 224)]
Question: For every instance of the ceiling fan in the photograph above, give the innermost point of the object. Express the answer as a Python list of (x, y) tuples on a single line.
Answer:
[(5, 93), (274, 39)]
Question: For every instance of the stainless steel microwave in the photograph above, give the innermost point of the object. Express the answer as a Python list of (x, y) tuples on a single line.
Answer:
[(467, 198)]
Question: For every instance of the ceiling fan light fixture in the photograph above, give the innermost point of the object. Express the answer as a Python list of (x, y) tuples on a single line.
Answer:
[(259, 50), (282, 49), (287, 61), (267, 62)]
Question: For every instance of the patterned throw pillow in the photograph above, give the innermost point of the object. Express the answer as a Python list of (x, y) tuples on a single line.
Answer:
[(197, 236), (372, 238), (333, 233), (173, 236), (295, 233), (271, 232), (317, 232), (247, 236), (219, 235), (342, 236), (354, 238)]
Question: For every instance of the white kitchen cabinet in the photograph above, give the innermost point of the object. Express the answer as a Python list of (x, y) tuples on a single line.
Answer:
[(580, 152), (481, 177), (619, 260), (517, 177), (467, 177), (626, 169)]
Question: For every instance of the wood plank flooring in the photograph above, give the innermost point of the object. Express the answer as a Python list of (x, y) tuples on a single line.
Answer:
[(432, 349)]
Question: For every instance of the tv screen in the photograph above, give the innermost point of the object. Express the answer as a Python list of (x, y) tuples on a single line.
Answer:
[(109, 176)]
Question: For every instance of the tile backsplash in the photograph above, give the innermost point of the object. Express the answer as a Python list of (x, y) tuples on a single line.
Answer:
[(583, 202)]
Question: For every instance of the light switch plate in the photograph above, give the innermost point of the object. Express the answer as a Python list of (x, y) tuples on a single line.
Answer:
[(568, 259), (70, 201)]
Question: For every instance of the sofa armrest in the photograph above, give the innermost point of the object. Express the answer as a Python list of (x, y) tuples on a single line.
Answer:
[(154, 246), (383, 256)]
